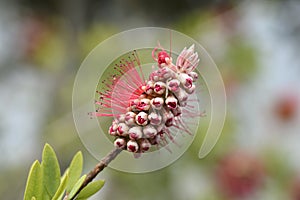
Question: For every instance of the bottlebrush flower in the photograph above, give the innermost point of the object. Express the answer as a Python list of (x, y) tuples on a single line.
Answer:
[(144, 111)]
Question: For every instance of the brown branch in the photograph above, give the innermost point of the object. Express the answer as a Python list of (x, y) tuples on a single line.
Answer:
[(98, 168)]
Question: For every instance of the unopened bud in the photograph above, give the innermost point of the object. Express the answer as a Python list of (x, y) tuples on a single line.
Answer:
[(182, 96), (132, 146), (144, 104), (130, 118), (173, 85), (166, 73), (113, 129), (194, 76), (133, 104), (168, 119), (186, 80), (120, 143), (122, 129), (121, 118), (149, 87), (191, 90), (135, 133), (161, 57), (171, 102), (154, 118), (159, 87), (141, 118), (157, 103), (149, 131), (145, 145)]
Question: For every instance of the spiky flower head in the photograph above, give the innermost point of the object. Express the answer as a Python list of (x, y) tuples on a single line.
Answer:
[(145, 110)]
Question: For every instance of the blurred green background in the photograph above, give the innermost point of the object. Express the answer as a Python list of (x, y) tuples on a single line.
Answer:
[(255, 44)]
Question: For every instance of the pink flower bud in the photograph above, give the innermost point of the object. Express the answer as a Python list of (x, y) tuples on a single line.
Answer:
[(173, 85), (162, 74), (154, 76), (154, 118), (185, 80), (122, 129), (194, 76), (135, 133), (182, 96), (166, 73), (144, 104), (133, 104), (132, 146), (171, 102), (121, 118), (168, 119), (159, 87), (141, 118), (130, 118), (149, 131), (191, 90), (157, 103), (145, 145), (113, 129), (149, 87), (120, 143), (161, 57)]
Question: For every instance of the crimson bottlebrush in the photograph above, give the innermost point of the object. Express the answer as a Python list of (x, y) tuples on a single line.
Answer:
[(145, 110)]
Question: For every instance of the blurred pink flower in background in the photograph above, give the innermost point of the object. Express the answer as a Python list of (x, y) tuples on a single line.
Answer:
[(286, 107), (295, 189), (34, 32), (239, 174)]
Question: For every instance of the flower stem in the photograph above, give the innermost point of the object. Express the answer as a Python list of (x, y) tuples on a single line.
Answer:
[(98, 168)]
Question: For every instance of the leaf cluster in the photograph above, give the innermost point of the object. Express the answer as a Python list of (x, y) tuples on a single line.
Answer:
[(45, 182)]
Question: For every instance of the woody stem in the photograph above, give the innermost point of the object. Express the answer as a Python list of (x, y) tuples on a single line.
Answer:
[(98, 168)]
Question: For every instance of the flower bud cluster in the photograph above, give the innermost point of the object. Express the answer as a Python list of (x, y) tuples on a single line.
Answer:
[(159, 107)]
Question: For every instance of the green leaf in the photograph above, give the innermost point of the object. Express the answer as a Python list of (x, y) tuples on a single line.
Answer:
[(75, 170), (90, 189), (45, 195), (51, 170), (34, 185), (62, 186), (76, 187), (65, 174)]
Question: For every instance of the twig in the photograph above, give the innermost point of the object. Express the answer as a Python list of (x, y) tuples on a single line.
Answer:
[(98, 168)]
